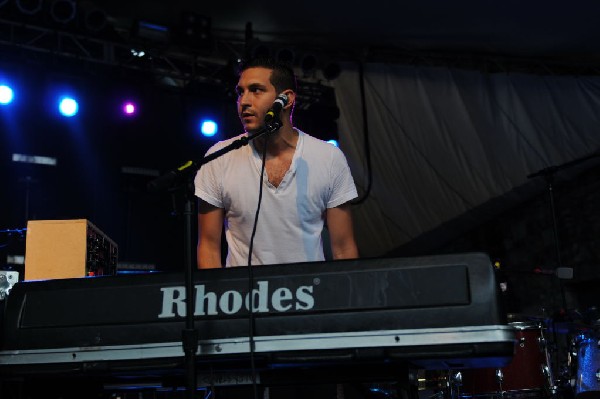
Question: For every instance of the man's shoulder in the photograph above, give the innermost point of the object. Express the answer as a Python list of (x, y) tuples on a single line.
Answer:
[(314, 141), (314, 145), (224, 143)]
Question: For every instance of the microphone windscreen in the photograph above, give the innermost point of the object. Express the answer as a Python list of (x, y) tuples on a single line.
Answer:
[(565, 273)]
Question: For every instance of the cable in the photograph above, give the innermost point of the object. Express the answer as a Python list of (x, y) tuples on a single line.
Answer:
[(251, 274), (361, 76)]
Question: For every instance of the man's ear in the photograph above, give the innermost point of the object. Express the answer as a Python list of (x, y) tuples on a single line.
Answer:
[(291, 95)]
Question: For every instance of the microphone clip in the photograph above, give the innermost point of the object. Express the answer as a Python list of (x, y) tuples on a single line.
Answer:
[(273, 114), (273, 125)]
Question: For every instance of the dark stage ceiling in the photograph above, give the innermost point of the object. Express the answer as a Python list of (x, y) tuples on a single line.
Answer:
[(507, 28)]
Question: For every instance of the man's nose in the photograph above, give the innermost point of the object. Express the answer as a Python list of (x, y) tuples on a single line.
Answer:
[(243, 99)]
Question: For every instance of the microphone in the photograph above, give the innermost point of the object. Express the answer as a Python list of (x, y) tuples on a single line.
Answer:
[(564, 273), (280, 102), (168, 179)]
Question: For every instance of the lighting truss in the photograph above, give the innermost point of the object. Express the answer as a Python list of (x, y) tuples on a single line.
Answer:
[(158, 59)]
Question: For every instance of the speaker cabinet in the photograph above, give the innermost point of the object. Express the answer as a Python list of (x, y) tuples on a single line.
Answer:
[(57, 249)]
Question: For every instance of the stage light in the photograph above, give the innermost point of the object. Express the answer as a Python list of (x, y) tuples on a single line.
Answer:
[(138, 53), (332, 70), (29, 7), (129, 108), (196, 31), (309, 63), (93, 18), (208, 127), (34, 159), (286, 55), (63, 11), (152, 32), (6, 95), (333, 142), (68, 107), (261, 51)]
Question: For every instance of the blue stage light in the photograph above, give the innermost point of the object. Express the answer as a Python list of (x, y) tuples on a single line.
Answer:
[(334, 142), (68, 106), (208, 127), (6, 95)]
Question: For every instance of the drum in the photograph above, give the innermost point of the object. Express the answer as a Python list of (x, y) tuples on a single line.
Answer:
[(587, 381), (524, 376)]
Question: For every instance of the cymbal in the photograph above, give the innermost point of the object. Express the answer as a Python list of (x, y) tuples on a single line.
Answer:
[(523, 317), (561, 323)]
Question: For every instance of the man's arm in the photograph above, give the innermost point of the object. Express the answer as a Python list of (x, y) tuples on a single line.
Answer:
[(341, 233), (210, 226)]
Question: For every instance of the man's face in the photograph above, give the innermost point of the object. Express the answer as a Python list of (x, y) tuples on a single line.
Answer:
[(255, 97)]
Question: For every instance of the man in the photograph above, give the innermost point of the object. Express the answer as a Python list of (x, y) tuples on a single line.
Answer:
[(307, 183)]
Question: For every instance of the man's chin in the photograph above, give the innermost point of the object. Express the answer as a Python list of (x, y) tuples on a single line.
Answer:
[(252, 128)]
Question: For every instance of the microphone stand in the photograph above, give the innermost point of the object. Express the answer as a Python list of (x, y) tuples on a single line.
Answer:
[(548, 173), (172, 180)]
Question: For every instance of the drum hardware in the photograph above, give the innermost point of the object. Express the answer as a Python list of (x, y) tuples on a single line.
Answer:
[(572, 360), (457, 378), (437, 384), (546, 368), (440, 384), (378, 391), (597, 373), (541, 341), (438, 395), (433, 384), (547, 373), (500, 379), (454, 385), (456, 381)]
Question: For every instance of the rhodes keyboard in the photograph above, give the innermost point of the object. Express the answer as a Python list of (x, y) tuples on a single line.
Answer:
[(435, 312)]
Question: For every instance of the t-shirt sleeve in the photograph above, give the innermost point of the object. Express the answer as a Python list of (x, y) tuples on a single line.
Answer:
[(207, 184), (342, 183)]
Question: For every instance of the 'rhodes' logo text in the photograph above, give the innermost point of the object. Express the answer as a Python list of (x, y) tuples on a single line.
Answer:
[(232, 301)]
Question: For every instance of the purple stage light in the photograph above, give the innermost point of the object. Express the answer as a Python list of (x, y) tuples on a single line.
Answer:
[(129, 108)]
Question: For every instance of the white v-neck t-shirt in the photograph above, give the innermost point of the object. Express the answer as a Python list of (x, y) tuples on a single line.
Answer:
[(292, 214)]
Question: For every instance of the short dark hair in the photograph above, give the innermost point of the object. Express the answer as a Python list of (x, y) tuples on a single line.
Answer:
[(282, 77)]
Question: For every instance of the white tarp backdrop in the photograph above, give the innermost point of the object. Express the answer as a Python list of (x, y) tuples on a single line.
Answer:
[(444, 141)]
